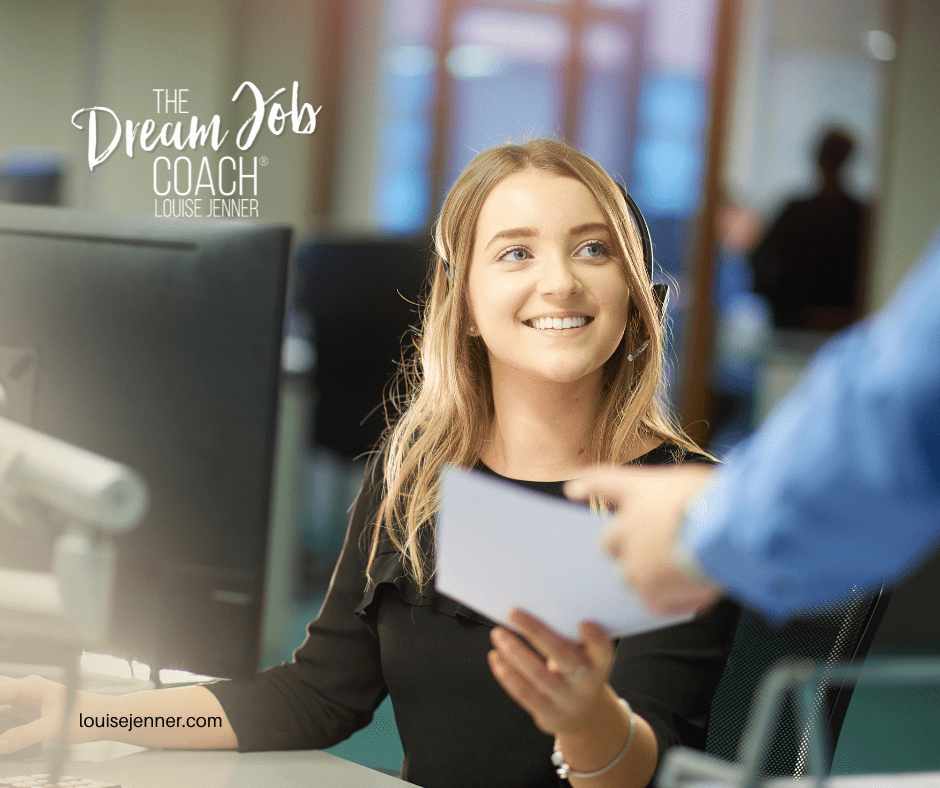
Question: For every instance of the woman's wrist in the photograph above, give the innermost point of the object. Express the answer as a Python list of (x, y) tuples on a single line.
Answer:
[(603, 734), (564, 769)]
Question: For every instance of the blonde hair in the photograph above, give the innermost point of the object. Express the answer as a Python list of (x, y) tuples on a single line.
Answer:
[(445, 393)]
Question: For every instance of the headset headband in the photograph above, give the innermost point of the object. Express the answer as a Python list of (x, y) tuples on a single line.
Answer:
[(660, 291)]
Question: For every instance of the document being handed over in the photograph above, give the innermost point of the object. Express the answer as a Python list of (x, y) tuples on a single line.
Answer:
[(500, 546)]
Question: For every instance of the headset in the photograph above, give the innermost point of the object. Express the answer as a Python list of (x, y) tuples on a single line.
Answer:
[(660, 291)]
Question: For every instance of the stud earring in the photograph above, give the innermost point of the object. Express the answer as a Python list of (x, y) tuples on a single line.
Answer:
[(473, 329)]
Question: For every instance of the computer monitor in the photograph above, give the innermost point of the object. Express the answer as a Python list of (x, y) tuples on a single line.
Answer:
[(157, 343)]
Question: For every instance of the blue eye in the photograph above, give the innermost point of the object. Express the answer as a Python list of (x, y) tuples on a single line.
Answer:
[(515, 255), (595, 249)]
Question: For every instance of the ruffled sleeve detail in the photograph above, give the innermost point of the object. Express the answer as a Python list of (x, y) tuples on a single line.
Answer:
[(388, 569), (388, 572)]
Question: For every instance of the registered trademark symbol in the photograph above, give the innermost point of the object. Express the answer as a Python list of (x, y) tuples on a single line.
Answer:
[(263, 161)]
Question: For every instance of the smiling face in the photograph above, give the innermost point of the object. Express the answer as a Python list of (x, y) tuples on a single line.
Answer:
[(547, 293)]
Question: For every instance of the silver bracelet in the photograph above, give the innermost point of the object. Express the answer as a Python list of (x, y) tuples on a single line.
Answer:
[(563, 770)]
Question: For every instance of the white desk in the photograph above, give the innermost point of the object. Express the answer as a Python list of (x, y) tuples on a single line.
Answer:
[(911, 780), (136, 767)]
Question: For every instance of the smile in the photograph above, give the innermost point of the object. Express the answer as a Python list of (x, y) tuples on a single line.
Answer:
[(544, 323)]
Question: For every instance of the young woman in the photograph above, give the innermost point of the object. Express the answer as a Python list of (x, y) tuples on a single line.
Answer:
[(526, 367)]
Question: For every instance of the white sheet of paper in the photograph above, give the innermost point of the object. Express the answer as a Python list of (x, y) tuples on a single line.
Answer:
[(500, 546)]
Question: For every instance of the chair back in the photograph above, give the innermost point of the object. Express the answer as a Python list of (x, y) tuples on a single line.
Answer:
[(839, 633), (362, 295)]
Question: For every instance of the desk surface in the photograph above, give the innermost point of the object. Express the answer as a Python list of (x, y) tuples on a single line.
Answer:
[(136, 767), (913, 780)]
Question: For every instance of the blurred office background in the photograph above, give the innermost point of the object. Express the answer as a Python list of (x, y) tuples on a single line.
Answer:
[(709, 111)]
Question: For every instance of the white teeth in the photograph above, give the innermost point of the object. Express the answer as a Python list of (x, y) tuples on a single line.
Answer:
[(542, 323)]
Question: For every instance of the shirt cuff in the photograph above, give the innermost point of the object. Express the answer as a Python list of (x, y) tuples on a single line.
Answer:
[(710, 546)]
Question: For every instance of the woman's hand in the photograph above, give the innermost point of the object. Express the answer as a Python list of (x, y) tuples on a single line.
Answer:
[(562, 684), (39, 703)]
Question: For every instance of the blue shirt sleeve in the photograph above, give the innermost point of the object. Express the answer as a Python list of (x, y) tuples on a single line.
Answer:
[(840, 486)]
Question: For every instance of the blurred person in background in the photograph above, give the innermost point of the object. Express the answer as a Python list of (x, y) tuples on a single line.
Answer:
[(742, 326), (808, 264)]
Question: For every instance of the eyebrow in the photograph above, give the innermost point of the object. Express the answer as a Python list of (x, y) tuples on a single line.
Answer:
[(531, 232), (590, 227), (515, 232)]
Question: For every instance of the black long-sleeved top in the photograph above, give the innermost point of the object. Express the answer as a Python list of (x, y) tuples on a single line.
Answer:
[(457, 725)]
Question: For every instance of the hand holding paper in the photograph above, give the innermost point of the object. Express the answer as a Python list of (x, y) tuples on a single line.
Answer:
[(500, 547), (561, 683)]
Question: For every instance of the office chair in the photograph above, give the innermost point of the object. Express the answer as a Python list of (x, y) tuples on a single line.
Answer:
[(840, 633), (361, 294)]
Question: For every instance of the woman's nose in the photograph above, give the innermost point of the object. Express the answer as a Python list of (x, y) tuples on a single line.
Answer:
[(559, 278)]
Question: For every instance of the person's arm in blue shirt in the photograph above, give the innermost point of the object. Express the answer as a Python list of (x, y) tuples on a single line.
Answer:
[(841, 484)]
